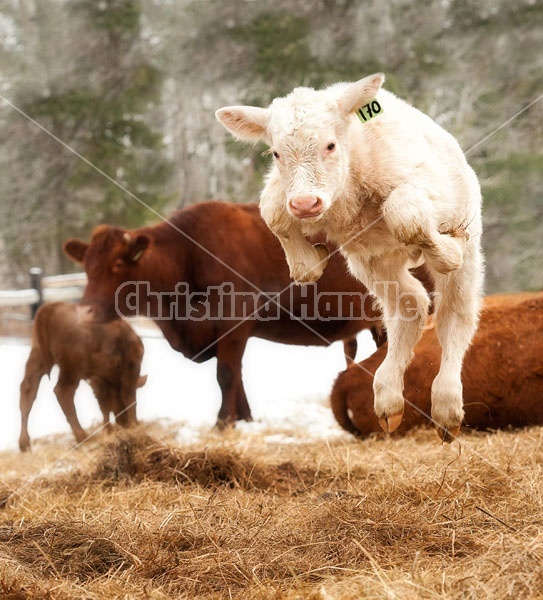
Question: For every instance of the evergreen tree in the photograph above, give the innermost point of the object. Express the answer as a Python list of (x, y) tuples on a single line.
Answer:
[(96, 97)]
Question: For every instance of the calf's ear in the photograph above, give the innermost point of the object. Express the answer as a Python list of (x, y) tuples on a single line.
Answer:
[(75, 249), (247, 123), (360, 92)]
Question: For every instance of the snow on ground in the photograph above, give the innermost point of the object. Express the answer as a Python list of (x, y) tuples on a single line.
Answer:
[(287, 388)]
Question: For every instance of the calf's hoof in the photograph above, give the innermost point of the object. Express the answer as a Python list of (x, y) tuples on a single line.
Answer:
[(448, 435), (447, 410), (391, 423), (388, 401), (24, 446)]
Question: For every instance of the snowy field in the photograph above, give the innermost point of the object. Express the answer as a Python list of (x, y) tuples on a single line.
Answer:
[(287, 388)]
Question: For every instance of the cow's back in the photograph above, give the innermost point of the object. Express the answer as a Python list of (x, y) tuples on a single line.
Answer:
[(216, 244), (230, 243), (240, 249)]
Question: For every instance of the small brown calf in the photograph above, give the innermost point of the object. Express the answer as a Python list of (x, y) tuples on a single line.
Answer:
[(107, 355), (502, 373)]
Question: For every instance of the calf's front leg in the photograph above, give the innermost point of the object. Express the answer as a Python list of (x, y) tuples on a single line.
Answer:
[(409, 215), (306, 262)]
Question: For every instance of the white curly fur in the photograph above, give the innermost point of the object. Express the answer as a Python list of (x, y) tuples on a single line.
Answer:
[(394, 191)]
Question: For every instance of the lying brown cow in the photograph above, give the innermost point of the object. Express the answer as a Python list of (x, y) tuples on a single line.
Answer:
[(502, 373), (107, 355), (206, 277)]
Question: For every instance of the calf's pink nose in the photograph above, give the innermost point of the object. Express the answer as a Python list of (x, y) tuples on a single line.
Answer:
[(306, 206)]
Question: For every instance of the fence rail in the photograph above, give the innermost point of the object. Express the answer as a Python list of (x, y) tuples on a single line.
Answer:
[(60, 288), (45, 289), (19, 297)]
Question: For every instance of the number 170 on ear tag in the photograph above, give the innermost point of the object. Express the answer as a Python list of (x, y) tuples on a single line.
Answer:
[(369, 111)]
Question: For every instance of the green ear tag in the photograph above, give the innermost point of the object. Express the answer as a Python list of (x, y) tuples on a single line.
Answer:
[(369, 111)]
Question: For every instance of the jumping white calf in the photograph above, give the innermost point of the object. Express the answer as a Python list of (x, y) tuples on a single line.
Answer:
[(392, 189)]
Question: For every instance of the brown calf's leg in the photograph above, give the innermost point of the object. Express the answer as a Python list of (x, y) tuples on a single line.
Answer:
[(105, 408), (65, 392), (34, 371), (126, 414), (100, 389)]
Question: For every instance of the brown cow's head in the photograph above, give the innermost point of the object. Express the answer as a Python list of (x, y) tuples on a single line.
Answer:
[(111, 260)]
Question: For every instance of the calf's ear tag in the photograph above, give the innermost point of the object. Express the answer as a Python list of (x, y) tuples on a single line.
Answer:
[(369, 111)]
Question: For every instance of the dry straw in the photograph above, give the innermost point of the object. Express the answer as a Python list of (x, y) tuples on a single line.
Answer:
[(135, 516)]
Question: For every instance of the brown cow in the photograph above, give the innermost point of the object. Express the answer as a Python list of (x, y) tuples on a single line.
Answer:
[(107, 355), (502, 373), (193, 263)]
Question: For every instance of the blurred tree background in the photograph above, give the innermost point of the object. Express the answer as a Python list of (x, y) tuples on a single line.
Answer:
[(132, 85)]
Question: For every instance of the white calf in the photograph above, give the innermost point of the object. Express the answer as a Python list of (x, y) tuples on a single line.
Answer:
[(392, 189)]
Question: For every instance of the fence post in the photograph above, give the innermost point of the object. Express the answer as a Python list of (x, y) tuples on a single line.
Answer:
[(36, 275)]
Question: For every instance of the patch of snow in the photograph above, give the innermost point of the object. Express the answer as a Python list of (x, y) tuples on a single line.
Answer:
[(287, 388)]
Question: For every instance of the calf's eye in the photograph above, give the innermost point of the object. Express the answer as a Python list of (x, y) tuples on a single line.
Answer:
[(276, 155), (331, 147)]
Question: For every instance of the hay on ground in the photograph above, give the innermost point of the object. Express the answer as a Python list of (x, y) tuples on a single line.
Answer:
[(135, 516)]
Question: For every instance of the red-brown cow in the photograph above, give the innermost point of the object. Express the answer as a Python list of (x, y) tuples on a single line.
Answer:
[(502, 373), (107, 355), (189, 269)]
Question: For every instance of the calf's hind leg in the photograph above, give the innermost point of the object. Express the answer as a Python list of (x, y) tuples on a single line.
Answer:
[(65, 392), (456, 323), (101, 390), (34, 371)]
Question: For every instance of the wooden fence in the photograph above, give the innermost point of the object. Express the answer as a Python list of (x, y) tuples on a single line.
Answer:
[(67, 288), (45, 289)]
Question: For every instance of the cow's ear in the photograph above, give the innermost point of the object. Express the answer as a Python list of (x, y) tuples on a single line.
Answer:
[(361, 92), (75, 249), (138, 245), (247, 123)]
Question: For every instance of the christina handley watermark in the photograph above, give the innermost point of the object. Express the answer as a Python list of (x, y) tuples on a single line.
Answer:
[(225, 303)]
